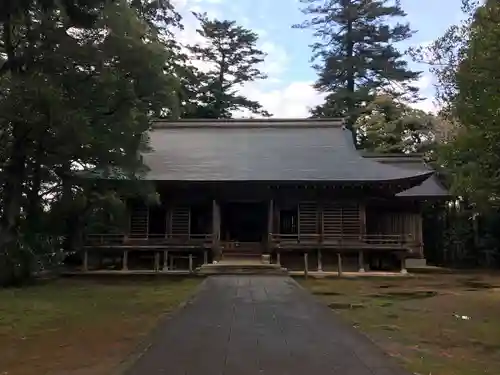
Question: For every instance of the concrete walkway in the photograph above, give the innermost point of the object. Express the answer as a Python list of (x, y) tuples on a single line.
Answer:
[(249, 325)]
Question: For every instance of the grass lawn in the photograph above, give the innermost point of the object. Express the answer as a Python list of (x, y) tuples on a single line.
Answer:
[(444, 324), (81, 327)]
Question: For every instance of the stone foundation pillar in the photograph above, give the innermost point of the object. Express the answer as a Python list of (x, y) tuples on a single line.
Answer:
[(339, 264), (361, 262), (320, 261), (125, 260)]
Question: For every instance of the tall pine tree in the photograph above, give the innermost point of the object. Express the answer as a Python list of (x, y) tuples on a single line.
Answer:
[(444, 55), (355, 56), (473, 156), (232, 59)]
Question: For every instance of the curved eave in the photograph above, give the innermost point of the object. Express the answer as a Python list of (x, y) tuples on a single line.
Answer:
[(393, 186)]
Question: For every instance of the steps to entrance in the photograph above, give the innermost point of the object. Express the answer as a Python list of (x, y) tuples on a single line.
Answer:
[(241, 267), (248, 251), (237, 255)]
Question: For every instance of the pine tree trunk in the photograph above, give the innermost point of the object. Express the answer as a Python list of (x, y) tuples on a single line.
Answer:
[(15, 265), (219, 100), (351, 84), (69, 216), (34, 208)]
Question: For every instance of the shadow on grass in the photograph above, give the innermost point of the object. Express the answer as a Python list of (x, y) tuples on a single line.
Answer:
[(407, 295), (475, 284), (326, 293)]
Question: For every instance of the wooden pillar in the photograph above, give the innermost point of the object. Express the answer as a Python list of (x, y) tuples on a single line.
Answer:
[(420, 234), (361, 261), (362, 218), (125, 260), (165, 260), (320, 261), (157, 261), (205, 257), (270, 229), (85, 264), (216, 230), (339, 264), (170, 215), (190, 263), (321, 213), (306, 265)]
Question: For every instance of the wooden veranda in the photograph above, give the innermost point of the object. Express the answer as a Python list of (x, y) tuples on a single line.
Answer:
[(314, 229)]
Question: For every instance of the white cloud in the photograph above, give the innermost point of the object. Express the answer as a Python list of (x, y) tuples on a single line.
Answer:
[(276, 60), (427, 105), (208, 1), (425, 85), (290, 101), (179, 4)]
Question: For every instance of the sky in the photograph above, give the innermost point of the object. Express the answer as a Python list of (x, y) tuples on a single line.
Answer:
[(288, 91)]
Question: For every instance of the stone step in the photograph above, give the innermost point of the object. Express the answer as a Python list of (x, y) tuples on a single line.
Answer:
[(243, 267), (241, 255)]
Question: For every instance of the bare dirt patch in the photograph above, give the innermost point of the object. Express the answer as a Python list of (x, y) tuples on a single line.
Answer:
[(81, 327), (439, 324)]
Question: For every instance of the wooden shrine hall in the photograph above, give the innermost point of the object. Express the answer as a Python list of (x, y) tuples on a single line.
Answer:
[(297, 190)]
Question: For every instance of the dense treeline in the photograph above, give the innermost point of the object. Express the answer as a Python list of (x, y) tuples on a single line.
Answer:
[(81, 80), (465, 61)]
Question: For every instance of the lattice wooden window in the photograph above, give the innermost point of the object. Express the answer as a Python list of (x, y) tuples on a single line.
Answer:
[(308, 218), (139, 219), (180, 221), (341, 220)]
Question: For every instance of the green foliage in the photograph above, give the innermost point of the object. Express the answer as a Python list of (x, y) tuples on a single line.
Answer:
[(464, 61), (356, 55), (231, 57), (389, 126), (472, 156), (79, 89)]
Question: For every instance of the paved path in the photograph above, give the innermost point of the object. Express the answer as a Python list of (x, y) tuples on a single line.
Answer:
[(249, 325)]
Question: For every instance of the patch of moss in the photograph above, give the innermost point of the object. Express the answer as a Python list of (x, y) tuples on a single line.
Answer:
[(345, 306)]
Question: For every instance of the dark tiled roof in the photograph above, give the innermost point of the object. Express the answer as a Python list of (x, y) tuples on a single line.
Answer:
[(431, 187), (263, 150)]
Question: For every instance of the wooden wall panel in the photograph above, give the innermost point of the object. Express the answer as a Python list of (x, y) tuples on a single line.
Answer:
[(397, 222)]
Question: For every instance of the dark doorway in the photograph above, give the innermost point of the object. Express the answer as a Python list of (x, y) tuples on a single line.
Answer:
[(157, 225), (244, 221), (201, 218)]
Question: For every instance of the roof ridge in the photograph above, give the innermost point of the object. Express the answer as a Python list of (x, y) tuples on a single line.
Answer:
[(395, 155), (249, 123)]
